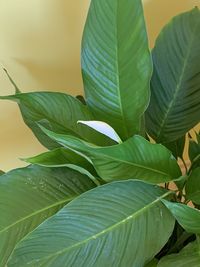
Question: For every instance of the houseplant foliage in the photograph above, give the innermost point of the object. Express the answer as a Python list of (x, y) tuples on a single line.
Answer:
[(101, 194)]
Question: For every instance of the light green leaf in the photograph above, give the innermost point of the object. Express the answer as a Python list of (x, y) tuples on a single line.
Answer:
[(188, 257), (103, 128), (175, 86), (116, 64), (134, 159), (187, 217), (192, 187), (30, 195), (104, 227), (58, 112)]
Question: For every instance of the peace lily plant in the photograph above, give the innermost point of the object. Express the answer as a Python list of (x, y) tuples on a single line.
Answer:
[(101, 194)]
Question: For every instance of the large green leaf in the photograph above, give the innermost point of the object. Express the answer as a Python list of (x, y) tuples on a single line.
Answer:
[(192, 187), (136, 158), (62, 157), (188, 257), (59, 112), (174, 107), (30, 195), (104, 227), (186, 216), (116, 64), (194, 149)]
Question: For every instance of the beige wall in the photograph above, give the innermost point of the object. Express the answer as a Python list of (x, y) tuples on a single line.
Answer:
[(40, 46)]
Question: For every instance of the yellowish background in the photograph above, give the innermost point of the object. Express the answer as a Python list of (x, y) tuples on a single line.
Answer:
[(40, 46)]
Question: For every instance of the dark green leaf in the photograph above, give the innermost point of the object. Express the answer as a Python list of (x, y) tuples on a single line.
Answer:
[(153, 263), (176, 147), (198, 137), (188, 257), (174, 107), (136, 158), (30, 195), (58, 112), (194, 149), (116, 64), (103, 227), (187, 217), (192, 187), (194, 154)]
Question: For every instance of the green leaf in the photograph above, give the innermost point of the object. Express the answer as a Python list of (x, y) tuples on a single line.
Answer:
[(152, 263), (189, 256), (103, 128), (192, 187), (194, 149), (175, 85), (103, 227), (1, 172), (136, 158), (198, 137), (116, 64), (186, 216), (194, 153), (30, 195), (58, 112), (62, 157), (177, 147)]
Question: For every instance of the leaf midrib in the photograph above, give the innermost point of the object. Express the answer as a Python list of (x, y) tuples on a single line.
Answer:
[(126, 162), (178, 87), (36, 213), (133, 216), (118, 75)]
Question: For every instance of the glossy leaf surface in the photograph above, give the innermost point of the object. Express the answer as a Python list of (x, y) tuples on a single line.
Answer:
[(30, 195), (57, 111), (175, 86), (116, 64), (136, 158), (62, 157), (103, 227)]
